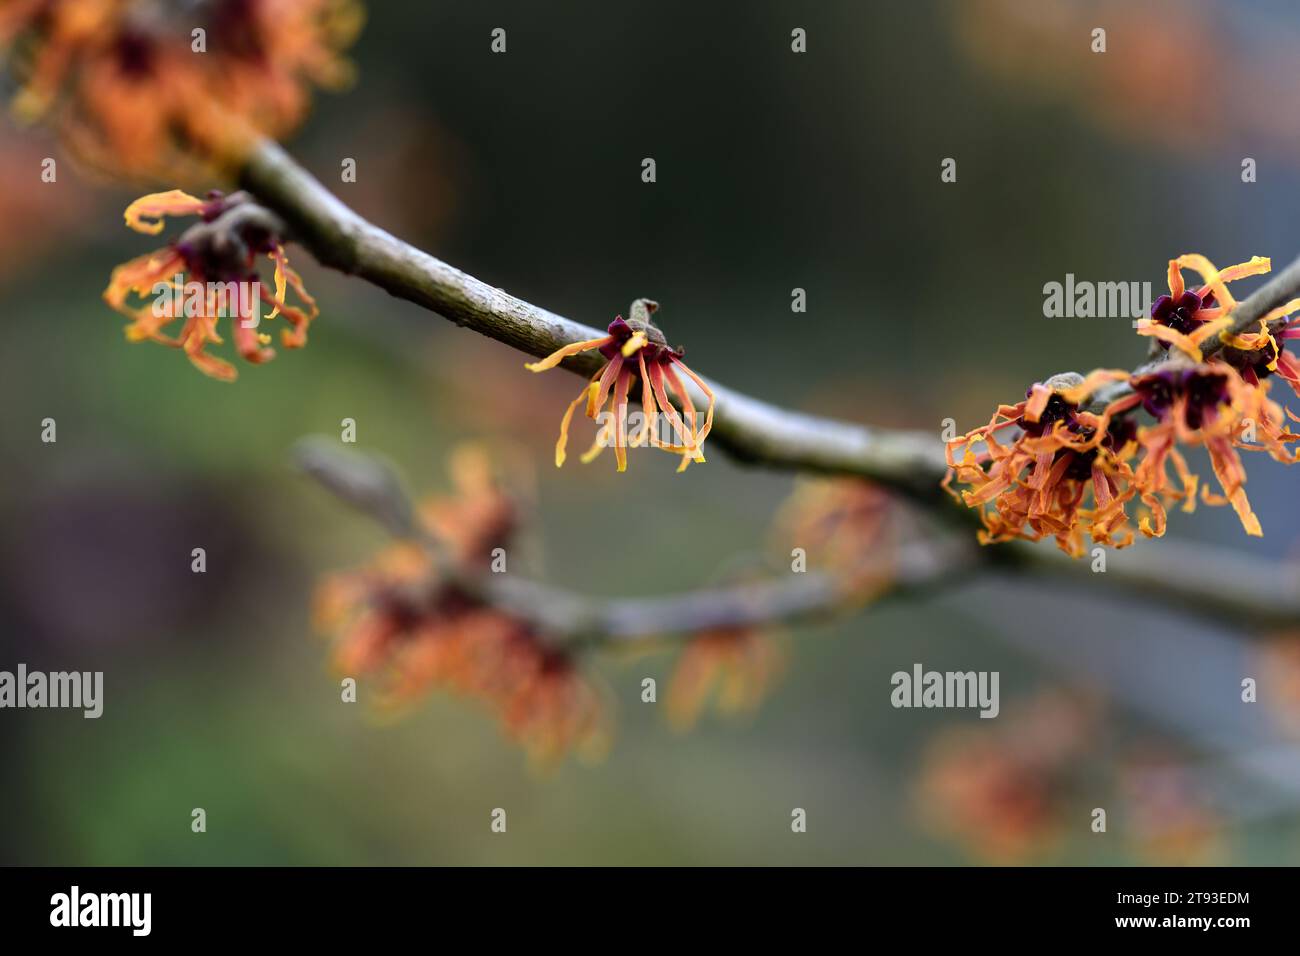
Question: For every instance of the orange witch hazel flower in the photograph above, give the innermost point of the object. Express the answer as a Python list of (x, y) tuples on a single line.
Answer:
[(206, 275), (1039, 483), (636, 351), (395, 622), (1063, 458), (1214, 406), (1186, 319), (414, 629)]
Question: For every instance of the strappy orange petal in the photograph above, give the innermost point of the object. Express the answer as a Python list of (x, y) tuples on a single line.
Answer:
[(560, 354), (148, 213)]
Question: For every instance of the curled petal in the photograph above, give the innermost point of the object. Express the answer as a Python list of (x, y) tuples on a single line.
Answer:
[(148, 213)]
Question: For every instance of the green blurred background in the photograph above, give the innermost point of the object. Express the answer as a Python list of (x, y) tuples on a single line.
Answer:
[(775, 171)]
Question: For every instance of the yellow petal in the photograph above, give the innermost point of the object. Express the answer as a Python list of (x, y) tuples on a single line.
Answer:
[(560, 354), (148, 213)]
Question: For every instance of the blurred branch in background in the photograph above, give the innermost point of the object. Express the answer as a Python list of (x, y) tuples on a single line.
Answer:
[(369, 484), (1236, 588)]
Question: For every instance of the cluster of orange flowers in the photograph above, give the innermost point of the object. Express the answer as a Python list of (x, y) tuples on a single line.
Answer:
[(208, 274), (141, 88), (414, 629), (1078, 459)]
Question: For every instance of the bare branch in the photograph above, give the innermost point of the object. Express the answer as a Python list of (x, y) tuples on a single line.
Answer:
[(753, 431), (1236, 587), (368, 484)]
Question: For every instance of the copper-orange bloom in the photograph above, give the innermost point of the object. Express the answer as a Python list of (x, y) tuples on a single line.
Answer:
[(636, 351), (1064, 457), (1186, 319), (1214, 406), (207, 275), (410, 626)]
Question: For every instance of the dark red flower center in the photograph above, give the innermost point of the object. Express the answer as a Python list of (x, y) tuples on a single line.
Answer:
[(1179, 314), (1258, 360), (656, 347), (1057, 409), (1205, 390), (1120, 432), (135, 54)]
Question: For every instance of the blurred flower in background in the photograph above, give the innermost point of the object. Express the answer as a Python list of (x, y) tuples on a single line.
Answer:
[(1161, 58), (734, 667), (848, 527), (1168, 819), (35, 215), (1278, 659), (409, 620), (1004, 790), (147, 89)]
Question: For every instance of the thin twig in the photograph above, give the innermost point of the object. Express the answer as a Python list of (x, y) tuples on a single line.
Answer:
[(369, 484)]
